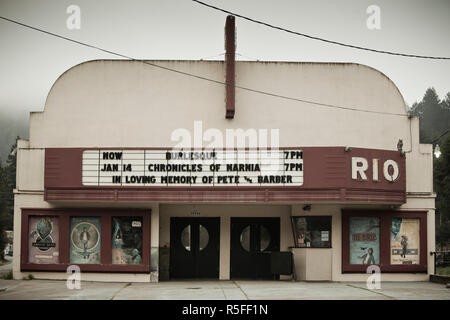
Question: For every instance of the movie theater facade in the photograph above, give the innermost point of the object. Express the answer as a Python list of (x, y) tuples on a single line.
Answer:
[(102, 182)]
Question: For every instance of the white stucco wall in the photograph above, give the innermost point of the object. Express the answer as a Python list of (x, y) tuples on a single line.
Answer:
[(130, 101), (110, 103)]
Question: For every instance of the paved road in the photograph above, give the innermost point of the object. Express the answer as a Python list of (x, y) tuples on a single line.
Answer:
[(221, 290)]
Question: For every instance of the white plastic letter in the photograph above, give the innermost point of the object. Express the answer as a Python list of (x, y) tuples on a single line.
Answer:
[(359, 165), (395, 173), (375, 169)]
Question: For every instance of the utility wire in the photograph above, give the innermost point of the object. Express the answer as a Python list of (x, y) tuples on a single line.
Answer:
[(243, 55), (317, 38), (214, 56), (198, 76), (437, 139)]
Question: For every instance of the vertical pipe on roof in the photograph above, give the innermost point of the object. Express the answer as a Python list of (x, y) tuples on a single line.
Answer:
[(230, 49)]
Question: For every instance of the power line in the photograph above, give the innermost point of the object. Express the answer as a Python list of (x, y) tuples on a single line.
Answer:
[(198, 76), (243, 55), (320, 39), (437, 139), (214, 56)]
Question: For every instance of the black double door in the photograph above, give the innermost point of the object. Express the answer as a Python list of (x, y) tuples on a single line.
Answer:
[(194, 247), (252, 239)]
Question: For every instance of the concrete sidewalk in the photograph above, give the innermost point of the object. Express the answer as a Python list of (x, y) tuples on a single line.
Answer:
[(221, 290)]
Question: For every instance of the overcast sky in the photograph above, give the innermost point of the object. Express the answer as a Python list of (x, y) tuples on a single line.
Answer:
[(30, 62)]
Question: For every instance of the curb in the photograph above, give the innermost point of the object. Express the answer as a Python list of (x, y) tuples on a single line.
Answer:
[(440, 279)]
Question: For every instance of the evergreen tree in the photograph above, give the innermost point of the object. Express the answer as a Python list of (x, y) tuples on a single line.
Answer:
[(446, 102), (10, 176), (7, 185), (434, 123), (446, 109), (3, 211), (434, 115), (442, 189)]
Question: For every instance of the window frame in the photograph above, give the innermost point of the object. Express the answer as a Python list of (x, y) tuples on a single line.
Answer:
[(385, 217), (294, 231), (105, 215)]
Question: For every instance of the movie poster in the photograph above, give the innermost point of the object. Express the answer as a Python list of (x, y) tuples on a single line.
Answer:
[(312, 232), (85, 236), (43, 240), (364, 240), (405, 241), (126, 240)]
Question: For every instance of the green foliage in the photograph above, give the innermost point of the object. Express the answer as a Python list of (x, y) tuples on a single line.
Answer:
[(434, 122), (3, 211), (442, 189), (10, 175), (434, 115), (13, 123), (7, 276), (7, 184), (443, 271)]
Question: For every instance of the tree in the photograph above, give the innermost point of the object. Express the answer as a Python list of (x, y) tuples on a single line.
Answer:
[(442, 188), (3, 211), (446, 102), (10, 176), (434, 123), (434, 115), (7, 185)]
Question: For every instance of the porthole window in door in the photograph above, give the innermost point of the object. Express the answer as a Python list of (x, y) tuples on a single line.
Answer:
[(264, 238), (186, 237), (204, 237), (245, 238)]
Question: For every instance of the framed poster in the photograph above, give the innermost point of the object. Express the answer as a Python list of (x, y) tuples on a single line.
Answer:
[(364, 240), (85, 240), (405, 241), (43, 240), (126, 240)]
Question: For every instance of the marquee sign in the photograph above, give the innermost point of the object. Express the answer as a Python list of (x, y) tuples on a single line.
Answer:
[(333, 174), (166, 168)]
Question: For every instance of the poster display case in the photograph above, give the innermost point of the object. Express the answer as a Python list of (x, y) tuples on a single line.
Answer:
[(394, 240), (96, 240)]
